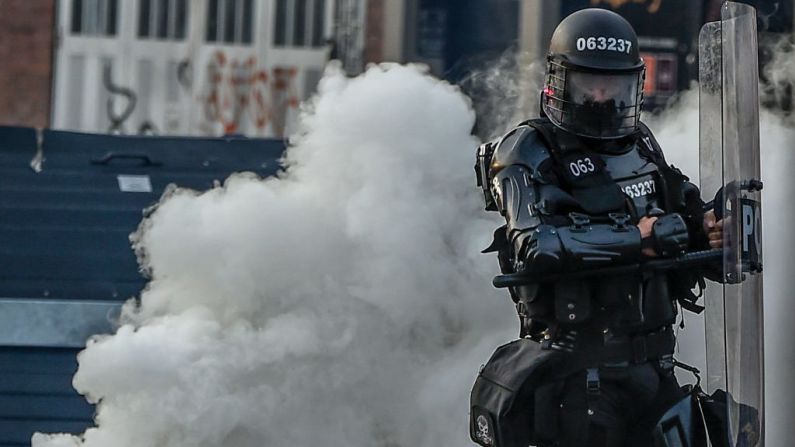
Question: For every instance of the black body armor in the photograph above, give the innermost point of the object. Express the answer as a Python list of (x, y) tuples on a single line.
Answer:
[(572, 203)]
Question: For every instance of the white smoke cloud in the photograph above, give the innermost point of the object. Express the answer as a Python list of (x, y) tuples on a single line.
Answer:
[(344, 303), (779, 73), (778, 157), (505, 92), (777, 141)]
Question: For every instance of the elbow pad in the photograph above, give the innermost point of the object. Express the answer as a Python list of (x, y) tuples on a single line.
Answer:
[(670, 235), (551, 249), (543, 250)]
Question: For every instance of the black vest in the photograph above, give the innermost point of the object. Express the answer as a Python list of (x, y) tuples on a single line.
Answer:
[(631, 179)]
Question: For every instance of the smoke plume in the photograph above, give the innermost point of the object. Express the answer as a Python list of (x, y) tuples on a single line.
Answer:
[(344, 303)]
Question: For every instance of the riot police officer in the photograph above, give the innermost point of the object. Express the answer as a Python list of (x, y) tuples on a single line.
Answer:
[(586, 187)]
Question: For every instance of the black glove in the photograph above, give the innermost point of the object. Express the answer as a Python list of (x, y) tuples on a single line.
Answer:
[(669, 235)]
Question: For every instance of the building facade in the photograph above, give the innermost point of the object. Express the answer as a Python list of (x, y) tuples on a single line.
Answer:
[(200, 67), (212, 67)]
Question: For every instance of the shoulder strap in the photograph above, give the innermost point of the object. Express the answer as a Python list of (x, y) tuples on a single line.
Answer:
[(649, 146), (673, 179)]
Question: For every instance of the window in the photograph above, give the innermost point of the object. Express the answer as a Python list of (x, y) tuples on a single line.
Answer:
[(281, 23), (230, 21), (94, 17), (299, 23), (319, 19), (162, 19)]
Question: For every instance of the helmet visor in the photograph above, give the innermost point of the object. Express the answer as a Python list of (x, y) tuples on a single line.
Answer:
[(599, 105), (603, 105)]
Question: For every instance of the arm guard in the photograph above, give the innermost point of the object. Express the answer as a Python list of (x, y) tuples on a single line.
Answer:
[(565, 249), (545, 240)]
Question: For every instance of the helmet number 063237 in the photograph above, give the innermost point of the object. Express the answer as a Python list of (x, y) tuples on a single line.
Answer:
[(604, 44)]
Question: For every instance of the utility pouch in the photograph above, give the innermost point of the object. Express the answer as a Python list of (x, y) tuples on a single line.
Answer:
[(502, 404), (682, 424), (715, 408), (657, 307), (617, 290), (698, 416), (572, 301), (547, 410)]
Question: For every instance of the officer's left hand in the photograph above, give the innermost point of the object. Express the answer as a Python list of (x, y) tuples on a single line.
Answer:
[(714, 229), (646, 227)]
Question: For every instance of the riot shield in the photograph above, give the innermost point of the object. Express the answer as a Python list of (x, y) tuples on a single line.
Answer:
[(729, 121)]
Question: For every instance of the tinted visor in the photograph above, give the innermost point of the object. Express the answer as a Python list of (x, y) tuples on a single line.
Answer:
[(594, 105), (602, 105)]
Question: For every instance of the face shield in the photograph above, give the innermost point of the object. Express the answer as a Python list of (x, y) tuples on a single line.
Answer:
[(595, 105)]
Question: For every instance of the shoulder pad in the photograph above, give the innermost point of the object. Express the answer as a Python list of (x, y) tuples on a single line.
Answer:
[(649, 142), (522, 145)]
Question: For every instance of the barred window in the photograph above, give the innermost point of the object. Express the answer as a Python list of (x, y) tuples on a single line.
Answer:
[(162, 19), (299, 23), (230, 21), (94, 17)]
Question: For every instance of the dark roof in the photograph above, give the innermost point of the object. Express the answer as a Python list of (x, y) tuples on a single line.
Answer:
[(64, 230), (68, 203)]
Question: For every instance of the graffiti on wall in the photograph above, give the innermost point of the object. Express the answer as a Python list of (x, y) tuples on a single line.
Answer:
[(129, 100), (244, 98), (652, 6)]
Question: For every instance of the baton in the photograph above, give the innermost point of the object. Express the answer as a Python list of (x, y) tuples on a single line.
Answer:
[(687, 260)]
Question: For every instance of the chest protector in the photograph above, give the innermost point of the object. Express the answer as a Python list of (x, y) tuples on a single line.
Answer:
[(641, 181), (609, 187)]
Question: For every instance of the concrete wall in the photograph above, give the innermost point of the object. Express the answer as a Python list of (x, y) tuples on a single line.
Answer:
[(375, 20), (537, 21), (394, 30)]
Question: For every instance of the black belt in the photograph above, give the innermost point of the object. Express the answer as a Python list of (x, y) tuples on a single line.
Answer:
[(596, 349)]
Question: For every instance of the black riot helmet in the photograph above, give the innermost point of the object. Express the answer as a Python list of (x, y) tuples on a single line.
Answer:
[(594, 81)]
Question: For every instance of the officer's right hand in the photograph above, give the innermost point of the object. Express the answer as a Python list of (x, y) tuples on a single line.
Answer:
[(714, 229), (645, 225)]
